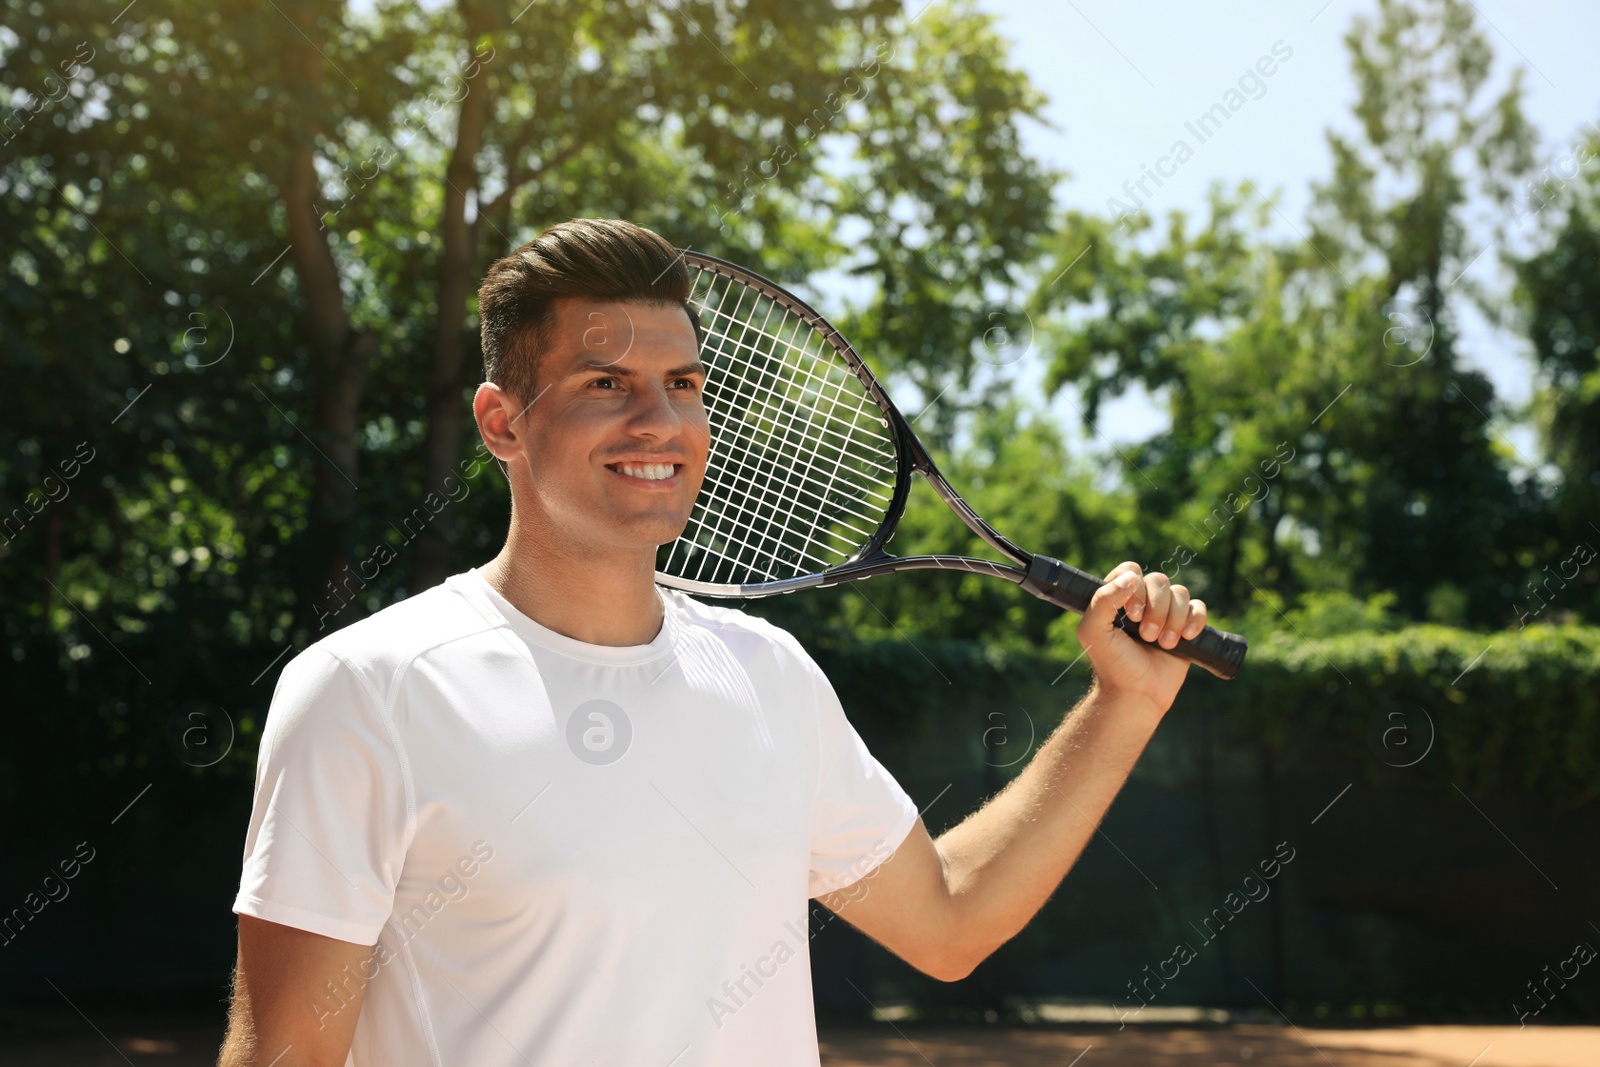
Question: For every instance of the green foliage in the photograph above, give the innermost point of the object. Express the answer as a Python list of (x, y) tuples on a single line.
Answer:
[(1324, 433), (1439, 504), (1525, 717), (949, 202), (1207, 321), (1558, 295), (150, 210), (1322, 613)]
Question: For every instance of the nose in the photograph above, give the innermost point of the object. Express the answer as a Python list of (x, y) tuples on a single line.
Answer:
[(655, 415)]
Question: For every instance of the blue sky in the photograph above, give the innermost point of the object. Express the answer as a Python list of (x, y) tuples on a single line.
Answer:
[(1124, 77)]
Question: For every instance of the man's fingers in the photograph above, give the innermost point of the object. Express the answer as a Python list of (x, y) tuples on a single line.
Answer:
[(1158, 602), (1166, 612), (1109, 597), (1176, 617), (1135, 607)]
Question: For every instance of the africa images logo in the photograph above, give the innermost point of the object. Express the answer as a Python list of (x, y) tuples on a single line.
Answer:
[(599, 732)]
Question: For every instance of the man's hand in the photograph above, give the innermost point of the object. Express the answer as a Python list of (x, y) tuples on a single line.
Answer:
[(1122, 666)]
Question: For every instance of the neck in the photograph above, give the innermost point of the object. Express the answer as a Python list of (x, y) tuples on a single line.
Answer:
[(586, 592)]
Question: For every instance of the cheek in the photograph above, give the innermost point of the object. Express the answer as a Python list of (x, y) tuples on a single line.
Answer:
[(698, 429), (563, 438)]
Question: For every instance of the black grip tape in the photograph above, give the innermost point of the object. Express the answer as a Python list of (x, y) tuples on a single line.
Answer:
[(1218, 651)]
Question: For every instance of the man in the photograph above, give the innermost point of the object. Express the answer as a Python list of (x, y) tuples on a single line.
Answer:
[(549, 813)]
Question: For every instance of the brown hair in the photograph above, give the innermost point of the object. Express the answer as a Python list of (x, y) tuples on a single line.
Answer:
[(596, 259)]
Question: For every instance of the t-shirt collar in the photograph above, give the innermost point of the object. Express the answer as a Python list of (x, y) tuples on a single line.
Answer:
[(473, 585)]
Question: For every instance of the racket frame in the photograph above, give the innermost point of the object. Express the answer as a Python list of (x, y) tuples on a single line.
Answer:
[(870, 559), (1219, 652)]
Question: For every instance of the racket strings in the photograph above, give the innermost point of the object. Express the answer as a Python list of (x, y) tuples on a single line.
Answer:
[(806, 377), (802, 466), (810, 448), (804, 374), (757, 462), (750, 458)]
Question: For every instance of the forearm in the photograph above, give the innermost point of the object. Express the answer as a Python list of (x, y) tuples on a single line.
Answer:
[(1002, 863), (239, 1044), (296, 997)]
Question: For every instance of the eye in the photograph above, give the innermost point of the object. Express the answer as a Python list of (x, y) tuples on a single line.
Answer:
[(604, 383), (685, 383)]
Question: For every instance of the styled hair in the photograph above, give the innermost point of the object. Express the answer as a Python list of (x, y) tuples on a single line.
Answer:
[(595, 259)]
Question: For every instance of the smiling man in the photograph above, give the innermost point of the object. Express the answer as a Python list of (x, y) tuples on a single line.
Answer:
[(549, 813)]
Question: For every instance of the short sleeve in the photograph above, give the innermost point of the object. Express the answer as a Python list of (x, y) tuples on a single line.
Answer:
[(329, 828), (862, 814)]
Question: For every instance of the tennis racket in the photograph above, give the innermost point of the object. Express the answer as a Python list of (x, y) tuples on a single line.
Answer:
[(810, 465)]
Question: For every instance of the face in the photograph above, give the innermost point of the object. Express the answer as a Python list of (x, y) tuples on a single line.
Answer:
[(614, 441)]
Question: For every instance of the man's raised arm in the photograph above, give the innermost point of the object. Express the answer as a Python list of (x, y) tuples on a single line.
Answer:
[(944, 907), (296, 996)]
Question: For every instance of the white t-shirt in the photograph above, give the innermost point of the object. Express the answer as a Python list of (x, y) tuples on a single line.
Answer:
[(566, 853)]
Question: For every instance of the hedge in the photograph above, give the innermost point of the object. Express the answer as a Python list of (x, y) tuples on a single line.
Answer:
[(1513, 710)]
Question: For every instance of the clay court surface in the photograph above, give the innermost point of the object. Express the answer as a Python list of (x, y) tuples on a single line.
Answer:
[(1258, 1046), (911, 1046)]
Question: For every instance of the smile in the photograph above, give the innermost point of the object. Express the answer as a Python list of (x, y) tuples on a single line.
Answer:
[(647, 472)]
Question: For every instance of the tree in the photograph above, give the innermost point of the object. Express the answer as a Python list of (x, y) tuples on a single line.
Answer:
[(947, 209), (338, 180), (240, 246), (1443, 511), (1332, 357), (1558, 294)]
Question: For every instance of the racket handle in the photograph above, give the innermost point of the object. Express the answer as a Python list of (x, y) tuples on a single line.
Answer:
[(1065, 586)]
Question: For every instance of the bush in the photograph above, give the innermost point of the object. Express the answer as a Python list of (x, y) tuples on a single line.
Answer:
[(1515, 709)]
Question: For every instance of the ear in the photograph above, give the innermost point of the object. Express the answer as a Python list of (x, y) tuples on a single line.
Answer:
[(499, 421)]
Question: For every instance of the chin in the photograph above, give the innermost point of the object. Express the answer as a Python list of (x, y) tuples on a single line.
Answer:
[(648, 531)]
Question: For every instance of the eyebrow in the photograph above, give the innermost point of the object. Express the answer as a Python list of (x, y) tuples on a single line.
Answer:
[(627, 372)]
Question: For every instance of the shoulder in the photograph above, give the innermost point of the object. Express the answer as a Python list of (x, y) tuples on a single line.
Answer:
[(378, 650)]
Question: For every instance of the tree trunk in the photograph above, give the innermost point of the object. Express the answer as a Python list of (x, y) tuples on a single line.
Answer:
[(441, 445), (340, 356)]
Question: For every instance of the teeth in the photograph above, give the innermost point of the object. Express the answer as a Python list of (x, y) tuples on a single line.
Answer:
[(650, 472)]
